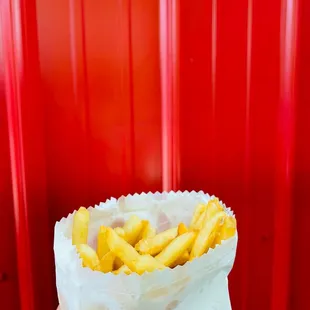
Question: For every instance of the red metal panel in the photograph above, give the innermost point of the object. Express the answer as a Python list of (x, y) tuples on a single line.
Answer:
[(236, 126), (300, 272), (8, 265), (123, 96), (27, 157), (104, 90), (169, 64)]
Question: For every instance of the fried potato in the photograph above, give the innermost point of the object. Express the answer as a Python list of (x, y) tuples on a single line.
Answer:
[(200, 209), (227, 230), (198, 224), (147, 263), (213, 207), (89, 256), (118, 263), (147, 231), (107, 262), (136, 247), (120, 231), (80, 226), (181, 260), (156, 244), (123, 269), (206, 235), (182, 229), (132, 229), (102, 246), (122, 249), (176, 248)]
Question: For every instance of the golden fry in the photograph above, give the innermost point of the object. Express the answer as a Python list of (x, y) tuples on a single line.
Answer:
[(198, 224), (156, 244), (136, 247), (200, 209), (107, 262), (182, 229), (147, 263), (147, 231), (120, 231), (132, 229), (80, 226), (117, 263), (213, 207), (181, 260), (227, 230), (175, 249), (123, 269), (122, 249), (102, 246), (207, 234), (89, 256)]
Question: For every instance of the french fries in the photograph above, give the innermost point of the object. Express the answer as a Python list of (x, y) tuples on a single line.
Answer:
[(156, 244), (182, 229), (199, 211), (123, 269), (137, 247), (181, 260), (132, 229), (206, 235), (175, 249), (147, 263), (227, 230), (148, 231), (118, 263), (80, 226), (120, 231), (122, 249), (89, 256), (107, 262), (102, 246)]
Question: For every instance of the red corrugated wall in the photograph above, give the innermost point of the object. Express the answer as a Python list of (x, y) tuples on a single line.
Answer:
[(103, 98)]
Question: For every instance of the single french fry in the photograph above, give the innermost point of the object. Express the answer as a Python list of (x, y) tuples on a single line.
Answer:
[(200, 209), (181, 260), (132, 229), (147, 231), (122, 249), (123, 269), (107, 262), (227, 230), (102, 246), (182, 229), (80, 226), (144, 224), (206, 235), (213, 207), (176, 248), (197, 226), (120, 231), (117, 263), (156, 244), (147, 263), (89, 256)]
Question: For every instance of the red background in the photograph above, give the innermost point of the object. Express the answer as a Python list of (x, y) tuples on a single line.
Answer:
[(103, 98)]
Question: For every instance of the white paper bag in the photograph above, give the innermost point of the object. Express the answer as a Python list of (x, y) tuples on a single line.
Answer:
[(198, 285)]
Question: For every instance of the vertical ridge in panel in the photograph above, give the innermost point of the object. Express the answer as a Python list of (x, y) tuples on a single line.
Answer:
[(285, 143), (80, 93), (169, 57)]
